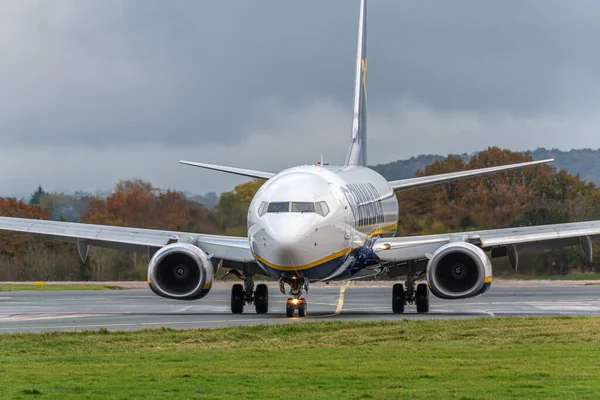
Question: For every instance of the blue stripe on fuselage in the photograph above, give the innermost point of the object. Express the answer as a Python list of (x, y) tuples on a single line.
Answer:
[(318, 272)]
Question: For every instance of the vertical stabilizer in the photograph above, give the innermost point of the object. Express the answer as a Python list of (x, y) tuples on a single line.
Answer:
[(357, 153)]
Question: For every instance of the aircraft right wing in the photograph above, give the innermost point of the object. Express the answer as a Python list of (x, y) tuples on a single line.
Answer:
[(232, 170), (145, 241), (412, 183)]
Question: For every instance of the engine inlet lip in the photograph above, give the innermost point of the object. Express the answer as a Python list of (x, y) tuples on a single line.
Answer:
[(465, 249), (188, 250)]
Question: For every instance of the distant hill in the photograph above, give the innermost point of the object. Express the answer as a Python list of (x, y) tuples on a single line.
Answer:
[(585, 162)]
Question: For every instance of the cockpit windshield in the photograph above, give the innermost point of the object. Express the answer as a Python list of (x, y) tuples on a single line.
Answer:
[(303, 207), (278, 207), (294, 206)]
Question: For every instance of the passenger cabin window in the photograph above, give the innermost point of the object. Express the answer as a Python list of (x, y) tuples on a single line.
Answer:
[(303, 207), (278, 207)]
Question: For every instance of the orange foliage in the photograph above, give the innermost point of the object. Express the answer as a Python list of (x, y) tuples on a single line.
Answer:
[(495, 201), (12, 244), (141, 208)]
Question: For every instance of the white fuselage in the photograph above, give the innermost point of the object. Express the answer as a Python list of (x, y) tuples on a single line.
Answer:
[(314, 222)]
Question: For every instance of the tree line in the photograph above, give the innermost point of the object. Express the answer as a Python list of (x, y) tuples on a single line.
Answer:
[(531, 196)]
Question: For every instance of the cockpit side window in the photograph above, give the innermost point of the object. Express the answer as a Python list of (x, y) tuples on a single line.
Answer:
[(278, 207), (322, 208), (303, 207), (262, 209)]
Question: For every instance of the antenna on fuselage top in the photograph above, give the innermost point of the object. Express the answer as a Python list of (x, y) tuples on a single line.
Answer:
[(322, 162)]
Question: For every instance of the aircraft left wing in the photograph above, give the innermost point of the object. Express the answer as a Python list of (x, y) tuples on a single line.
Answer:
[(501, 242), (412, 183), (145, 241)]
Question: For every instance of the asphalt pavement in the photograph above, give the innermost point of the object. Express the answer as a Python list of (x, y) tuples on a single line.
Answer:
[(139, 309)]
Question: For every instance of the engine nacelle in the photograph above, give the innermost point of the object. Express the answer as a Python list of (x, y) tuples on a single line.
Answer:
[(180, 271), (459, 270)]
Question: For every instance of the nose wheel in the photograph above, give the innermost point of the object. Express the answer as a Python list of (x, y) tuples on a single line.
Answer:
[(293, 305), (297, 303)]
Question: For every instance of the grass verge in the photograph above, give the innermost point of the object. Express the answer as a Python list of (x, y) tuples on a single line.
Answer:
[(556, 357), (20, 287)]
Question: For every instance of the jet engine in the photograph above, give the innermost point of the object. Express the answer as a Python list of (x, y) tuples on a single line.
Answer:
[(180, 271), (459, 270)]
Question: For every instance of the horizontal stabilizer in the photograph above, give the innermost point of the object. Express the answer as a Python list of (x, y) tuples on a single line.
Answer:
[(421, 181), (232, 170)]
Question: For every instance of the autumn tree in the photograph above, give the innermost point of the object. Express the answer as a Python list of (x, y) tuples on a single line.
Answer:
[(138, 204), (36, 196), (12, 244), (31, 257), (64, 207), (232, 208)]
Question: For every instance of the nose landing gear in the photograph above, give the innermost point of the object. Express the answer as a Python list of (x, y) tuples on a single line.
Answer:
[(297, 302), (295, 305)]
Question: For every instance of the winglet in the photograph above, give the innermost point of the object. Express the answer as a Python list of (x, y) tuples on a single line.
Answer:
[(232, 170)]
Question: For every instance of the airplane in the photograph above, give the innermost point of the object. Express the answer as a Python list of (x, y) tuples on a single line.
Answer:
[(322, 223)]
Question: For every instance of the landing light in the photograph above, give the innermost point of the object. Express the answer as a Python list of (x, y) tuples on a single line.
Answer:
[(295, 301)]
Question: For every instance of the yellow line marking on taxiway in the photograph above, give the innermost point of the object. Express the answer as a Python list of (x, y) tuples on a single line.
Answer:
[(340, 304)]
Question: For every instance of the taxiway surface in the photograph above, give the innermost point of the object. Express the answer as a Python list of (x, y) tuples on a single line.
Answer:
[(138, 309)]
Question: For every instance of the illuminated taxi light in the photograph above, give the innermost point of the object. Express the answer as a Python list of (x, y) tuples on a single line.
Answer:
[(295, 301)]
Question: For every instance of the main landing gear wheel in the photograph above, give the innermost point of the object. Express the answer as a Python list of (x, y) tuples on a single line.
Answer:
[(410, 293), (261, 299), (398, 298), (295, 304), (422, 298), (237, 298), (245, 294)]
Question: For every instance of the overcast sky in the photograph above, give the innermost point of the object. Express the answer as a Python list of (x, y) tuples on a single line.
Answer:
[(94, 91)]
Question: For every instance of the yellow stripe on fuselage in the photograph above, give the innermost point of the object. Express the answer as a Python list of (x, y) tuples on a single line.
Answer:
[(323, 260), (383, 229), (306, 266)]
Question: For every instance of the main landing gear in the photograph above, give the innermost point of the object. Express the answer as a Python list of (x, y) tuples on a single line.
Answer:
[(297, 303), (402, 296), (246, 294)]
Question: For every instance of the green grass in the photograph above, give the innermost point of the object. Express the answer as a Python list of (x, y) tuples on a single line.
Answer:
[(489, 358), (20, 287)]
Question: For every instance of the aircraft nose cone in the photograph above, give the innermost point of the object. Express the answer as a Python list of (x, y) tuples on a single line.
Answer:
[(288, 238), (296, 244), (290, 243)]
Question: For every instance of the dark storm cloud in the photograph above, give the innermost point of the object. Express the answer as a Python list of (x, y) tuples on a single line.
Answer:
[(126, 72), (94, 91)]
